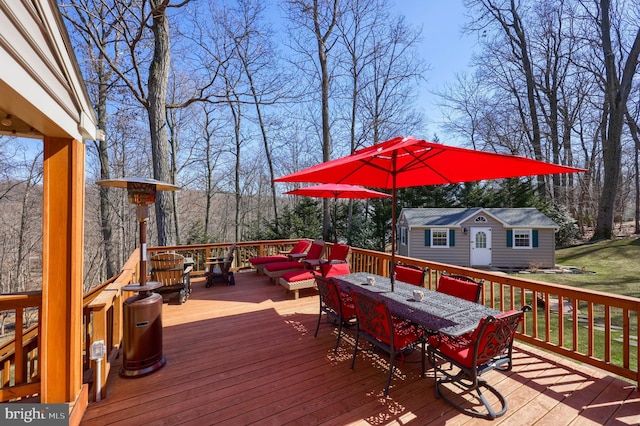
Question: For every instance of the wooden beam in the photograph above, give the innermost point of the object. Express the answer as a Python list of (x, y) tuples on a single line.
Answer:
[(63, 208)]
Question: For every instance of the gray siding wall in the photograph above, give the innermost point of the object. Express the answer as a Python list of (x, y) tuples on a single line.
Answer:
[(456, 255), (502, 256), (542, 256)]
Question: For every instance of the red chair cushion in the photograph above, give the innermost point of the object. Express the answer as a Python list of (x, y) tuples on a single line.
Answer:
[(376, 323), (460, 348), (315, 251), (300, 247), (281, 266), (334, 269), (334, 297), (295, 276), (409, 275), (406, 333), (268, 259), (457, 348), (339, 252), (348, 308), (458, 288)]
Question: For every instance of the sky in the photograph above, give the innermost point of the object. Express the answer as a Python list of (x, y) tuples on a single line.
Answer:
[(443, 47), (445, 50)]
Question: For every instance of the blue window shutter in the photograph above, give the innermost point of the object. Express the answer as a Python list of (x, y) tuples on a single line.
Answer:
[(427, 237), (452, 238), (534, 237), (509, 238)]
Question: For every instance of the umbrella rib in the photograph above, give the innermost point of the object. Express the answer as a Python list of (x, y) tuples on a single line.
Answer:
[(423, 161)]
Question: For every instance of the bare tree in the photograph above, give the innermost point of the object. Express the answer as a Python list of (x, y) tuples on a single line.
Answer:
[(507, 16), (94, 23), (320, 18), (617, 88), (266, 87)]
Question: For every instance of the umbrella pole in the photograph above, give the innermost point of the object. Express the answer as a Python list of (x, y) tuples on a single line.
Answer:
[(393, 237), (335, 219), (393, 223)]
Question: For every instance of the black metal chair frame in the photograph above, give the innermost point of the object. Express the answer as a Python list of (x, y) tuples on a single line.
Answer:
[(367, 315), (331, 303), (492, 346)]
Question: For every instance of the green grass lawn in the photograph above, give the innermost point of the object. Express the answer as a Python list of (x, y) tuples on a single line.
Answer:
[(615, 268), (616, 264)]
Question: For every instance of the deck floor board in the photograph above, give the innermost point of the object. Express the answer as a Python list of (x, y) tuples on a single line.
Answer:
[(246, 354)]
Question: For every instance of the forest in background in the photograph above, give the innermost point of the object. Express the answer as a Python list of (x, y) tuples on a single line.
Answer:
[(214, 97)]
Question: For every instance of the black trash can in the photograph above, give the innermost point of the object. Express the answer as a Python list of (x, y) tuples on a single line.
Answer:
[(142, 351)]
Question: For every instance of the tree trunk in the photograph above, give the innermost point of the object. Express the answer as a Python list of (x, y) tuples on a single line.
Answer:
[(105, 173), (157, 110), (634, 130), (520, 40), (326, 131), (617, 93), (326, 124)]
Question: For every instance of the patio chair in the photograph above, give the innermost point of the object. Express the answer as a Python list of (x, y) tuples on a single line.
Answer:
[(277, 269), (298, 250), (299, 279), (336, 305), (168, 269), (376, 325), (487, 348), (460, 286), (410, 274), (339, 253), (219, 270)]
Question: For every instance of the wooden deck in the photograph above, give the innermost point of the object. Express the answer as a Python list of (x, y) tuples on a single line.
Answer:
[(246, 354)]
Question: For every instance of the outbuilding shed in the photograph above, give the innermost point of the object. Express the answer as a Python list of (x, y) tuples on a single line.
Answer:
[(478, 237)]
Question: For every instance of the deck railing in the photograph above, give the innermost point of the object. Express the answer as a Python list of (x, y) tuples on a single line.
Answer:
[(595, 328), (599, 329), (19, 361)]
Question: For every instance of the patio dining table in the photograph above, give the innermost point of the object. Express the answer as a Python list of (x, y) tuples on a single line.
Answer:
[(437, 312)]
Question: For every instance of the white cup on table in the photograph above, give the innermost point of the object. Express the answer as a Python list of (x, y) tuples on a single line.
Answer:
[(371, 280), (418, 295)]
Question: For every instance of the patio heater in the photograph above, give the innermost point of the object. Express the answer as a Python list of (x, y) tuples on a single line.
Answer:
[(142, 314)]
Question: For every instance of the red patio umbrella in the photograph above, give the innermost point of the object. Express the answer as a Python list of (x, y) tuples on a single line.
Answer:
[(335, 191), (405, 161)]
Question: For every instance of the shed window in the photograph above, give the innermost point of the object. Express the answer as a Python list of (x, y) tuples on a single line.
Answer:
[(522, 238), (403, 235), (439, 238)]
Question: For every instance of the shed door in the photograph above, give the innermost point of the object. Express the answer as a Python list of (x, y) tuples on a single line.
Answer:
[(480, 246)]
